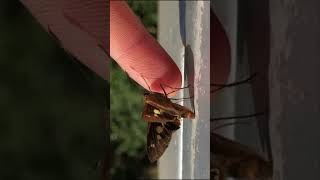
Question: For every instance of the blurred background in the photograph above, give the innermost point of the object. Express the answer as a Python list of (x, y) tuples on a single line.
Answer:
[(128, 130), (52, 108)]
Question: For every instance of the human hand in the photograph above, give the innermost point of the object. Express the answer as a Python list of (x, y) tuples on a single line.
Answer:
[(138, 53)]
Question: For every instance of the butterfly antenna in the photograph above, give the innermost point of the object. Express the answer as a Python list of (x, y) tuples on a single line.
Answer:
[(146, 83), (230, 124), (164, 91), (177, 89), (237, 117)]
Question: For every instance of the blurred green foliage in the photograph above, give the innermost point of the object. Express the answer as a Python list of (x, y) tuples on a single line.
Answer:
[(126, 103), (147, 12), (51, 113), (128, 129)]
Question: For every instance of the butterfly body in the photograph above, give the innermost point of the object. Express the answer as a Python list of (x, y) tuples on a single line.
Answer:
[(162, 102), (163, 117)]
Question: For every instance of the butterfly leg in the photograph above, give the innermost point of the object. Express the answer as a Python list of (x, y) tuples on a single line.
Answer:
[(176, 89)]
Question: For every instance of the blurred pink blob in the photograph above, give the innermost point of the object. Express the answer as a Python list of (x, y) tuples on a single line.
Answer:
[(81, 28), (220, 51), (79, 25)]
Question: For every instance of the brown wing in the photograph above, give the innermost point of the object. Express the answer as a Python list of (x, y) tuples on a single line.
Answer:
[(183, 111), (149, 116), (160, 101), (237, 160), (158, 138)]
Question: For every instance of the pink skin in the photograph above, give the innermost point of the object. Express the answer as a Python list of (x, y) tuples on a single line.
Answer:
[(141, 56), (80, 27), (138, 53)]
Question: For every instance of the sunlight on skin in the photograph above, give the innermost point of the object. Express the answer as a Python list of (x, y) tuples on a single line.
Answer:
[(138, 53)]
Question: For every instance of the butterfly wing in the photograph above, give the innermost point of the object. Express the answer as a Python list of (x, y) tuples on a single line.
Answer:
[(150, 116), (158, 138)]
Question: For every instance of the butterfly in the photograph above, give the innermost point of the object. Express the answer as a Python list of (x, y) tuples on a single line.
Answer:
[(163, 117)]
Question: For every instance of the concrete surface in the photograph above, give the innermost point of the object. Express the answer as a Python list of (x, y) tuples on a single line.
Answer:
[(184, 32), (170, 164), (294, 89)]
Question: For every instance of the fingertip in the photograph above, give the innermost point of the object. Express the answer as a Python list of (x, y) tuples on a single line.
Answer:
[(169, 82), (151, 77), (138, 53)]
